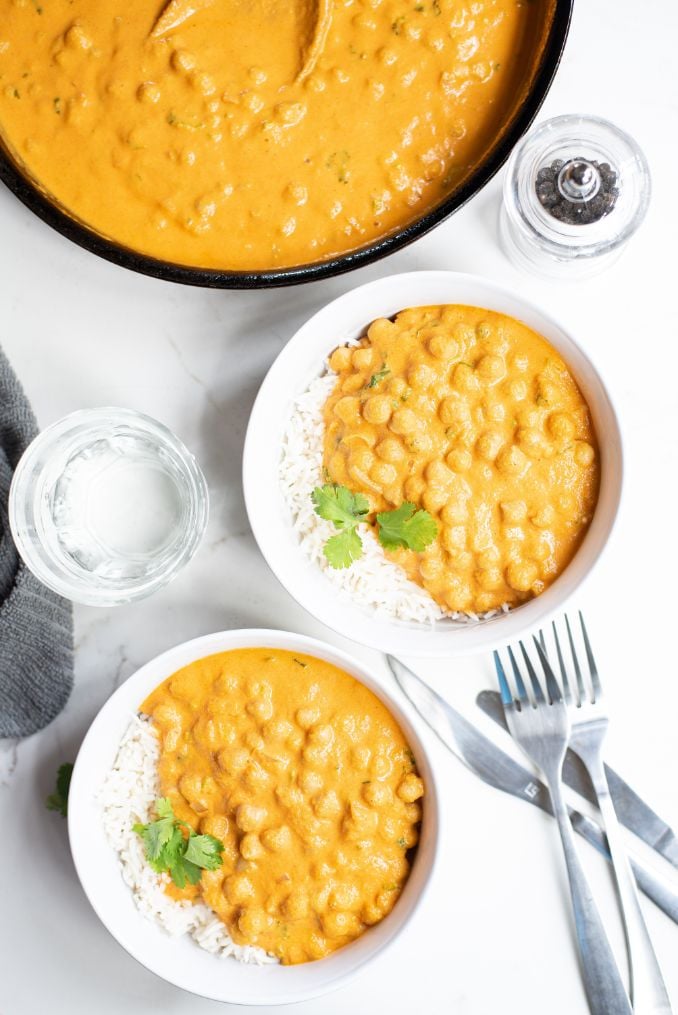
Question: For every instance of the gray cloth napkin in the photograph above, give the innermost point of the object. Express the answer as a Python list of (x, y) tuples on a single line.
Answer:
[(36, 625)]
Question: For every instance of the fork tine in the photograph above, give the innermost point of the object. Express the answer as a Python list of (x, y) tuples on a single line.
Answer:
[(536, 683), (504, 689), (595, 679), (523, 696), (567, 690), (580, 682), (555, 694), (542, 639)]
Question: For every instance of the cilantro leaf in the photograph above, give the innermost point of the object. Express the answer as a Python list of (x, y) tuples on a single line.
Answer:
[(204, 851), (406, 527), (378, 377), (341, 550), (58, 801), (339, 505), (168, 849)]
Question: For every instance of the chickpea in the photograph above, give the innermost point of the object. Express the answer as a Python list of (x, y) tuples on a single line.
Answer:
[(390, 450), (512, 461), (490, 579), (360, 757), (383, 473), (521, 575), (344, 896), (251, 847), (444, 347), (296, 905), (404, 421), (517, 390), (455, 510), (491, 369), (434, 497), (490, 444), (561, 426), (454, 538), (327, 805), (307, 717), (310, 782), (250, 818), (413, 812), (382, 766), (260, 709), (377, 794), (337, 925), (414, 488), (352, 383), (363, 358), (254, 741), (484, 330), (371, 913), (277, 839), (317, 946), (453, 412), (397, 387), (431, 570), (340, 359), (316, 756), (459, 460), (321, 735), (252, 922), (464, 378), (584, 454), (277, 729), (544, 517), (411, 788), (347, 409), (420, 377), (457, 593), (382, 328), (377, 409), (238, 889), (513, 510), (532, 442), (387, 899), (360, 457)]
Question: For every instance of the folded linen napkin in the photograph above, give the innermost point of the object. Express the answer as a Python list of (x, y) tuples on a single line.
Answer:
[(36, 625)]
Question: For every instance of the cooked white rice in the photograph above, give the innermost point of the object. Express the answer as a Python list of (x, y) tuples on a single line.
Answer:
[(126, 797), (373, 582)]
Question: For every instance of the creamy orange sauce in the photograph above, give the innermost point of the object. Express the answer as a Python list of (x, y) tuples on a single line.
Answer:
[(308, 781), (472, 416), (208, 144)]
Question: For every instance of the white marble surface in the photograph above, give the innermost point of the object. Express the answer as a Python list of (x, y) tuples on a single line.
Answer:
[(495, 932)]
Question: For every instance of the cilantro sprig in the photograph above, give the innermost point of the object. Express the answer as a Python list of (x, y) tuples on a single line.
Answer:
[(169, 850), (407, 528), (337, 504), (58, 801), (404, 527)]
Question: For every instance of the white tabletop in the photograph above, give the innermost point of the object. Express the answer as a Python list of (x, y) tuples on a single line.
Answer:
[(494, 934)]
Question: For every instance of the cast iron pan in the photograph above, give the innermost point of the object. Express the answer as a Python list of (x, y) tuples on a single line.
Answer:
[(51, 213)]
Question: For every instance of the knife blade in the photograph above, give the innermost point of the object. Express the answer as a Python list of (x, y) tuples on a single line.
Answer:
[(479, 754), (631, 810)]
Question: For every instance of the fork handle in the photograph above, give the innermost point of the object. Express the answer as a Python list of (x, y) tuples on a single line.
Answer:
[(648, 990), (602, 981)]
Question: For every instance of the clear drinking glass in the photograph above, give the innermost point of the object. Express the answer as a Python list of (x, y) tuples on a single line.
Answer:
[(576, 222), (107, 505)]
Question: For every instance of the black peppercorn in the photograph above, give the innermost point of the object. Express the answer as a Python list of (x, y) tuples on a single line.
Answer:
[(577, 192)]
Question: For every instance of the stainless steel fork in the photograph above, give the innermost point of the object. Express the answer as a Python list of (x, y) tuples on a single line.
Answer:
[(584, 700), (542, 729)]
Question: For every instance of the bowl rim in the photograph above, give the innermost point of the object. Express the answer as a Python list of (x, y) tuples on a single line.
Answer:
[(90, 848), (303, 582), (41, 204)]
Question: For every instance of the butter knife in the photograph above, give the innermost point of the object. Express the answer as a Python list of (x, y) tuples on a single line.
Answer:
[(631, 810), (498, 769)]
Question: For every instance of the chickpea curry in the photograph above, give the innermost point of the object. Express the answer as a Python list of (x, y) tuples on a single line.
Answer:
[(205, 135), (308, 781), (474, 418)]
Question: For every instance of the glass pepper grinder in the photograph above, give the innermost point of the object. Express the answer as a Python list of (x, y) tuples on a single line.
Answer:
[(576, 189)]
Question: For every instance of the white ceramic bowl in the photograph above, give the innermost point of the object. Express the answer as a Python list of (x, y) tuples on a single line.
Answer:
[(179, 960), (302, 359)]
